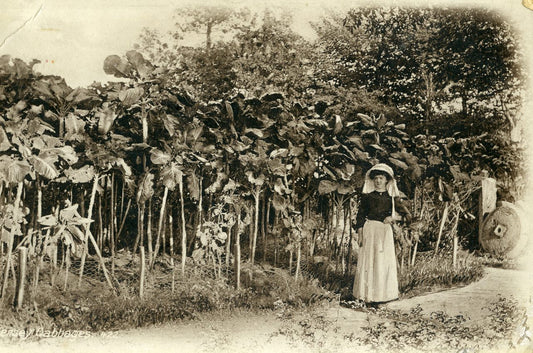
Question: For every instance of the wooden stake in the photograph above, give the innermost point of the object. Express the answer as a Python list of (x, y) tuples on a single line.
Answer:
[(23, 257)]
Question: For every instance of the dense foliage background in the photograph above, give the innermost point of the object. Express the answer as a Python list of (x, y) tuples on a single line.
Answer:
[(262, 136)]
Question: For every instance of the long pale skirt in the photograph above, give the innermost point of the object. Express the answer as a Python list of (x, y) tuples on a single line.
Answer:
[(376, 277)]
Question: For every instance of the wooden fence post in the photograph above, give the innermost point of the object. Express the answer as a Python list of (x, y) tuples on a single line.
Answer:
[(23, 257), (487, 201)]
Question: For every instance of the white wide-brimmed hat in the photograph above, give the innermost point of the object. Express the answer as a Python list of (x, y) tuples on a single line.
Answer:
[(392, 188)]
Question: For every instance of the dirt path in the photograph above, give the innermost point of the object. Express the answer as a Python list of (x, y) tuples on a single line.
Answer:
[(472, 301), (331, 323)]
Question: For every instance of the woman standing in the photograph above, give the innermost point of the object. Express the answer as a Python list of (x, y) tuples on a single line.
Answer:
[(376, 277)]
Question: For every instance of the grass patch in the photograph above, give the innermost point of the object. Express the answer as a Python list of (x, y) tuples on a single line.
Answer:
[(94, 308), (431, 273)]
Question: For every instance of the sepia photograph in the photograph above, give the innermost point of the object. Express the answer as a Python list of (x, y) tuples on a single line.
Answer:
[(266, 176)]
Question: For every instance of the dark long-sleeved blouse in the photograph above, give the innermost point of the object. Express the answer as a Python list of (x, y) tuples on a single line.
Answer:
[(377, 206)]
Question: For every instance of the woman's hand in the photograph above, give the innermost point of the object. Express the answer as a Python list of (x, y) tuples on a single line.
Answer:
[(388, 220), (360, 237)]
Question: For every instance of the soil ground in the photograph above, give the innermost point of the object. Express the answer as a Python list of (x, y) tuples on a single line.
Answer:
[(260, 332)]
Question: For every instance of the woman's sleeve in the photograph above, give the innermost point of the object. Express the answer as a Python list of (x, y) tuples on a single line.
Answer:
[(401, 208), (362, 211)]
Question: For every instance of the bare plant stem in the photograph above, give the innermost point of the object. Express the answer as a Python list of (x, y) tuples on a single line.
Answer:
[(183, 229), (87, 230), (160, 225), (441, 228), (11, 239)]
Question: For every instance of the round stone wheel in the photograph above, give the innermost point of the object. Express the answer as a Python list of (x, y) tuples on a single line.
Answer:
[(501, 231)]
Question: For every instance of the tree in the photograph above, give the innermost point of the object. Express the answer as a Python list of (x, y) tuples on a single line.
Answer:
[(256, 53), (422, 61), (208, 20)]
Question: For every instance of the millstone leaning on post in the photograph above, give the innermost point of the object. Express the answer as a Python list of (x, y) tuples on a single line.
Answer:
[(501, 230)]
